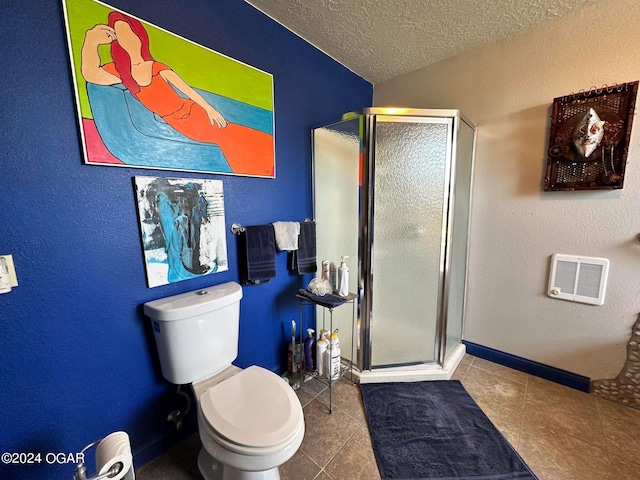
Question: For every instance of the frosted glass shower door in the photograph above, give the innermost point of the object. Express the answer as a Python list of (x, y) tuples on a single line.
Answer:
[(336, 189), (411, 185), (459, 235)]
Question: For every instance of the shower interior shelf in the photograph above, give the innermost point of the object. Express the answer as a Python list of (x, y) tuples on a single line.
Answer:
[(346, 365)]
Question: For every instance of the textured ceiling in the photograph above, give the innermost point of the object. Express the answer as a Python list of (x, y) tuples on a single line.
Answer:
[(381, 39)]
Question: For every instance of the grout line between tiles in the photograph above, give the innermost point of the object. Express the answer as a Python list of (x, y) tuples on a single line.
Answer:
[(342, 446), (498, 374)]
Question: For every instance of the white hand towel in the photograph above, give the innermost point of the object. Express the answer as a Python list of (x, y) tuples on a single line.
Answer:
[(287, 235)]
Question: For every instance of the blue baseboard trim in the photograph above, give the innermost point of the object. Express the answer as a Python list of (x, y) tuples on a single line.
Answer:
[(541, 370)]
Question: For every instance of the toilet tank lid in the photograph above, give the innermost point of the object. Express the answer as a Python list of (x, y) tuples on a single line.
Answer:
[(196, 302)]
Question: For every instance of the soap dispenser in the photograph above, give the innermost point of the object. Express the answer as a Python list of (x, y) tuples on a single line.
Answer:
[(343, 278)]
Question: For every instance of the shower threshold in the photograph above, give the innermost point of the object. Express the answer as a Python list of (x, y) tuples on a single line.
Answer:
[(414, 373)]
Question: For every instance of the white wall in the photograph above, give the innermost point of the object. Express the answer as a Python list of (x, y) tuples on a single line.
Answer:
[(507, 89)]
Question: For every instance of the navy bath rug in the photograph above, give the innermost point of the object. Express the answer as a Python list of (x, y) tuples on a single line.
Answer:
[(434, 430)]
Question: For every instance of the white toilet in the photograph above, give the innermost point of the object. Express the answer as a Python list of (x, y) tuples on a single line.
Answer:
[(250, 421)]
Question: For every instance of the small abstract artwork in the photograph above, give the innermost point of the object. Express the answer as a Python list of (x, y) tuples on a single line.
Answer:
[(182, 226), (589, 138), (148, 98)]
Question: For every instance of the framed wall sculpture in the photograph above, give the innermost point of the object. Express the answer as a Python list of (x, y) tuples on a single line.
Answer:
[(589, 138), (182, 226), (148, 98)]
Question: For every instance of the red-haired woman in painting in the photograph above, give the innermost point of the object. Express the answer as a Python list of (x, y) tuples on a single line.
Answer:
[(247, 150)]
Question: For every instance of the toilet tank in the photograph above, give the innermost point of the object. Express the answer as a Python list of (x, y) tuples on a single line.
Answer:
[(196, 332)]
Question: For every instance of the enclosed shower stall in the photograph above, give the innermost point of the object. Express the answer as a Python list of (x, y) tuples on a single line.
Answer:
[(392, 191)]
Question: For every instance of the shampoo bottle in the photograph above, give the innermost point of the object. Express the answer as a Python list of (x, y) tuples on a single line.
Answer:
[(321, 349), (332, 358), (308, 350), (343, 278)]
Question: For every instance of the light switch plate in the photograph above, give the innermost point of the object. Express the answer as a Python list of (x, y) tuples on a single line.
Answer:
[(12, 270)]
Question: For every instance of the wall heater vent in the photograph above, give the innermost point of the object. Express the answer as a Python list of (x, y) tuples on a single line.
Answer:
[(578, 279)]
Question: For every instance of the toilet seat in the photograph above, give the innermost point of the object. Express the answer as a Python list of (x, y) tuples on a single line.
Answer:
[(253, 412)]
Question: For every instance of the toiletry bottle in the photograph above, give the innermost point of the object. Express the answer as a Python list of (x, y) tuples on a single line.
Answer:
[(326, 281), (333, 277), (321, 348), (308, 350), (343, 278), (325, 270), (332, 357)]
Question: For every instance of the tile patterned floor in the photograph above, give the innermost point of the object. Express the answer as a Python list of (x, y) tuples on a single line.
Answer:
[(562, 434)]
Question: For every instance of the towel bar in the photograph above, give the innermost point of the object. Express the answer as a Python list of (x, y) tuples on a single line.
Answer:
[(238, 229)]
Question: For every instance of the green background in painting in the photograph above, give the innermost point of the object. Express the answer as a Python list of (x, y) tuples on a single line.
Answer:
[(198, 66)]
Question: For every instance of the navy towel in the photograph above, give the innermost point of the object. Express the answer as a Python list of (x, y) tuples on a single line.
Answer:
[(329, 300), (303, 260), (260, 248)]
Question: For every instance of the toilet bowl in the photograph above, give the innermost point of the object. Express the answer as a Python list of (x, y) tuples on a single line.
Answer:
[(250, 423)]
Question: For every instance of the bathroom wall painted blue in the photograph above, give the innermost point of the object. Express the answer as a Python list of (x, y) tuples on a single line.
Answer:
[(77, 357)]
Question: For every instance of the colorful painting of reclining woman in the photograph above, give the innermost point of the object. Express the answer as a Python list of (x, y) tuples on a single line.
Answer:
[(182, 226), (148, 98)]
